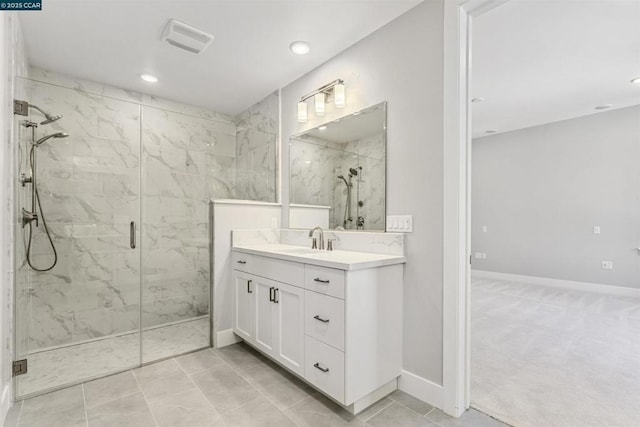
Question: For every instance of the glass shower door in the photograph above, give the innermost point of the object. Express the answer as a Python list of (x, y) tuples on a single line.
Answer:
[(80, 319)]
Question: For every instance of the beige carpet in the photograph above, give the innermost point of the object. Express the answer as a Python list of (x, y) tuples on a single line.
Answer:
[(543, 356)]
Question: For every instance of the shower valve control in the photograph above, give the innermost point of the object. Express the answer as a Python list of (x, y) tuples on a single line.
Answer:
[(24, 179)]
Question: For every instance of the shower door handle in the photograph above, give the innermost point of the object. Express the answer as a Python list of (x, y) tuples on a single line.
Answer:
[(132, 234)]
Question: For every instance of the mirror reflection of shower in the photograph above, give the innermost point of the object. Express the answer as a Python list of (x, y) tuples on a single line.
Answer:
[(347, 222), (31, 217)]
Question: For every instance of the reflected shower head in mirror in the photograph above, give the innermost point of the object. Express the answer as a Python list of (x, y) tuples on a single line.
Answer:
[(49, 118), (54, 135)]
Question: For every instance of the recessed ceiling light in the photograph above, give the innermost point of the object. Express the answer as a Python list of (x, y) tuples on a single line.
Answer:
[(490, 131), (636, 80), (322, 128), (149, 78), (299, 47), (477, 100), (603, 106)]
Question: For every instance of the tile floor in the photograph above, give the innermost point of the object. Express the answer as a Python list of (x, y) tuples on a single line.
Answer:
[(232, 386), (67, 365)]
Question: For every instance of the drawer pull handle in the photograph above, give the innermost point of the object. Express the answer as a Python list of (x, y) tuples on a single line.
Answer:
[(317, 317), (275, 296), (249, 291), (317, 279), (272, 298), (317, 366), (241, 262)]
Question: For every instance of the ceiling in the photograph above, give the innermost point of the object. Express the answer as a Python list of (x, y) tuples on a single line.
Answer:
[(541, 61), (114, 41)]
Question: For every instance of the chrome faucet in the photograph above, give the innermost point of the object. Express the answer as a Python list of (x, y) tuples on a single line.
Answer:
[(314, 244)]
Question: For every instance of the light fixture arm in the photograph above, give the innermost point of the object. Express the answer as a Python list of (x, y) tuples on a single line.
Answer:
[(324, 89)]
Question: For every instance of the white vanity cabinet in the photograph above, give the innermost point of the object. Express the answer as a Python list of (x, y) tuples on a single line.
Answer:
[(339, 329)]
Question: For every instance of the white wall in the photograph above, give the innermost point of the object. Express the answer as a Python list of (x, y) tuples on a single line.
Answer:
[(401, 63), (541, 190)]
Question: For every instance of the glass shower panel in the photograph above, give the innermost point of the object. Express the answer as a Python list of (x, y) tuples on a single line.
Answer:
[(187, 161), (81, 319)]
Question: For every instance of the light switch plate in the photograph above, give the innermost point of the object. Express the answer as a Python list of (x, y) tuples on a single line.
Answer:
[(607, 265), (400, 223), (596, 229)]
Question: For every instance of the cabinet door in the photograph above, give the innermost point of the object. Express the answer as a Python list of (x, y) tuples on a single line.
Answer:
[(265, 314), (289, 326), (244, 305)]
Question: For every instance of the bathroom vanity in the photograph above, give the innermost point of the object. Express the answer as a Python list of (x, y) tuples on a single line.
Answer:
[(334, 318)]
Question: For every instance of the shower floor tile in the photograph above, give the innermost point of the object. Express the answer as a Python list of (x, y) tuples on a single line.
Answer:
[(68, 365)]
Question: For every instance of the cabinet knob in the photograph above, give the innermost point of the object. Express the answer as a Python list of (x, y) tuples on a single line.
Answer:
[(317, 366), (317, 317)]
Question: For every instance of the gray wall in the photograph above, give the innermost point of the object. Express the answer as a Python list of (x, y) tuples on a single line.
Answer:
[(400, 63), (541, 190)]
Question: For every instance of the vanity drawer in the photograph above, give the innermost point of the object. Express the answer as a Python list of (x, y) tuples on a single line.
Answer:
[(324, 280), (324, 367), (241, 261), (324, 318), (279, 270)]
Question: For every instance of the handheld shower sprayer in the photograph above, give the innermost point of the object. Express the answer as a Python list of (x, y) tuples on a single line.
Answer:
[(46, 138)]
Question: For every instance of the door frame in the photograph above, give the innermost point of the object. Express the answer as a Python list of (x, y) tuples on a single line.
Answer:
[(456, 349)]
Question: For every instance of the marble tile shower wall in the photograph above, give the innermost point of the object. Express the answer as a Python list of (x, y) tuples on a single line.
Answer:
[(256, 150), (315, 165), (91, 187)]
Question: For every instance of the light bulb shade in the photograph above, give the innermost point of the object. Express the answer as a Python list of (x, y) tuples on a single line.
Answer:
[(302, 112), (319, 100), (338, 95)]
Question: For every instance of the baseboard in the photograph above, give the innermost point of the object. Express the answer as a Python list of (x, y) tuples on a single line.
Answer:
[(422, 389), (226, 337), (558, 283)]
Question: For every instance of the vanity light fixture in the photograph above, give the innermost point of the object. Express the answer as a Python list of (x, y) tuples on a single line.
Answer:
[(636, 80), (320, 97), (149, 78), (299, 47)]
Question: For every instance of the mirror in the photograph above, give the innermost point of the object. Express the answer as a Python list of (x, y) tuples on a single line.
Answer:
[(339, 170)]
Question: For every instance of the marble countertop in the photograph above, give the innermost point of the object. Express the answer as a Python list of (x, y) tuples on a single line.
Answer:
[(343, 260)]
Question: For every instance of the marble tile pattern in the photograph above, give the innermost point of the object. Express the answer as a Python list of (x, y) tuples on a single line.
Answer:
[(231, 386), (544, 356), (256, 150), (315, 166), (61, 366), (362, 241), (91, 187)]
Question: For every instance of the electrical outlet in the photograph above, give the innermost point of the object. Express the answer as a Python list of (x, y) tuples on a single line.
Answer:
[(596, 229), (478, 255), (607, 265), (484, 256)]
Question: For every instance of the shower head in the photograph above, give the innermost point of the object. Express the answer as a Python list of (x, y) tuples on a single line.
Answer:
[(49, 118), (53, 135), (353, 172)]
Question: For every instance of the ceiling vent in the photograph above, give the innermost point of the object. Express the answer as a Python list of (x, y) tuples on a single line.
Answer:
[(186, 37)]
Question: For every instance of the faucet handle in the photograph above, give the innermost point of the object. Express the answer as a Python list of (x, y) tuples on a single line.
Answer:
[(314, 243), (330, 244)]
